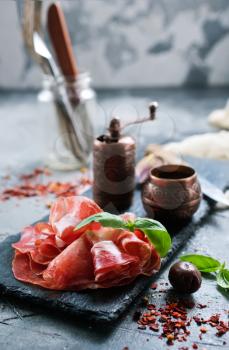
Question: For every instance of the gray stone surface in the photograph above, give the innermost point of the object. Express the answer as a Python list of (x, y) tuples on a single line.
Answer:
[(23, 326)]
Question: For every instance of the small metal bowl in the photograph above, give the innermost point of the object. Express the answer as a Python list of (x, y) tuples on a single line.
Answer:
[(172, 192)]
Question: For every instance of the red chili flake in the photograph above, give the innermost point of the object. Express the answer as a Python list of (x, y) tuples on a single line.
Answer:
[(35, 173), (176, 314), (194, 346), (222, 328), (151, 318), (29, 186), (174, 321), (214, 320), (203, 330), (153, 286), (154, 327), (170, 337), (163, 318), (151, 307), (197, 320)]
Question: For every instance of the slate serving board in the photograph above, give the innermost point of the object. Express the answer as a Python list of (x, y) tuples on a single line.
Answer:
[(108, 304), (99, 305)]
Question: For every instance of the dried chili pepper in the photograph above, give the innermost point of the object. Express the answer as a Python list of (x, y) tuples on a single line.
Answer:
[(172, 321), (30, 186)]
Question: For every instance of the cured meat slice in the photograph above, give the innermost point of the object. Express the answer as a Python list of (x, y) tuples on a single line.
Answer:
[(99, 259), (111, 246), (149, 259), (39, 242), (113, 267), (54, 256), (72, 268), (23, 272), (67, 212)]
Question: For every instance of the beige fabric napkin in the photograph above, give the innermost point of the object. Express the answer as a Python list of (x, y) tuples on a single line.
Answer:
[(209, 145)]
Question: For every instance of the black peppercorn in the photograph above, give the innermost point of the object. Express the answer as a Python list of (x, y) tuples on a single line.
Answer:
[(184, 277)]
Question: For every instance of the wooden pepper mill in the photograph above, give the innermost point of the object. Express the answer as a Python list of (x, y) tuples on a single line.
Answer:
[(114, 166)]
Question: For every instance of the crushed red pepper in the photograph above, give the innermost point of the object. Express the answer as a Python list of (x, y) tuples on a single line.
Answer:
[(153, 286), (172, 321), (30, 185)]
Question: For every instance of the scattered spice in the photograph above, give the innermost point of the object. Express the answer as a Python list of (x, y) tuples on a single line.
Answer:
[(153, 286), (203, 329), (171, 321), (31, 185), (222, 328)]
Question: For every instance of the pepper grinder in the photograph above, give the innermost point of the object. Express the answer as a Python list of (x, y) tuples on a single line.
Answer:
[(114, 165)]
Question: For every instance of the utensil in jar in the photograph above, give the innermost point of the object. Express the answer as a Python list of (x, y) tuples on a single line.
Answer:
[(62, 102), (43, 52), (61, 41)]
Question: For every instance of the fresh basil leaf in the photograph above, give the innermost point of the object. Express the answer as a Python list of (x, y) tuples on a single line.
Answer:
[(222, 278), (156, 233), (105, 219), (153, 229), (202, 262), (160, 239), (148, 223)]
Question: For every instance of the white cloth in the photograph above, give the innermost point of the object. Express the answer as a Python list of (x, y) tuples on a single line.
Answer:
[(220, 117), (210, 145)]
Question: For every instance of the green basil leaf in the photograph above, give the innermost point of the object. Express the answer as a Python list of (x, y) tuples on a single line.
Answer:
[(222, 278), (105, 219), (148, 223), (153, 229), (156, 233), (202, 262)]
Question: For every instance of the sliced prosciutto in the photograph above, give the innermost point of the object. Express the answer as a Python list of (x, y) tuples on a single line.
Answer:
[(56, 256), (67, 212)]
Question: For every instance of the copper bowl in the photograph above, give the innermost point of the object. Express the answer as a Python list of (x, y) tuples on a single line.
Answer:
[(172, 192)]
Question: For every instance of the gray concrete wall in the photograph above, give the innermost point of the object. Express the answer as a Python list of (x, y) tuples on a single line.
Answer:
[(131, 42)]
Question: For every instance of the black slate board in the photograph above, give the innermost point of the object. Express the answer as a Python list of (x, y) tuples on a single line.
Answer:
[(107, 305), (98, 305)]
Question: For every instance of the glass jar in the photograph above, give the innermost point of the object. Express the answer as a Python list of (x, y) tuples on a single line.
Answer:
[(74, 102)]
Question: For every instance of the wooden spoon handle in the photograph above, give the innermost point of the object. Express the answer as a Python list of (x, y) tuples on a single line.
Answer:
[(61, 41)]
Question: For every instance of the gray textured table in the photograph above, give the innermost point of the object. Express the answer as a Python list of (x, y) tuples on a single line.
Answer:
[(22, 136)]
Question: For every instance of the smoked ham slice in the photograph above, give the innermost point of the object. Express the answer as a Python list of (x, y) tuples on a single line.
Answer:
[(54, 256)]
